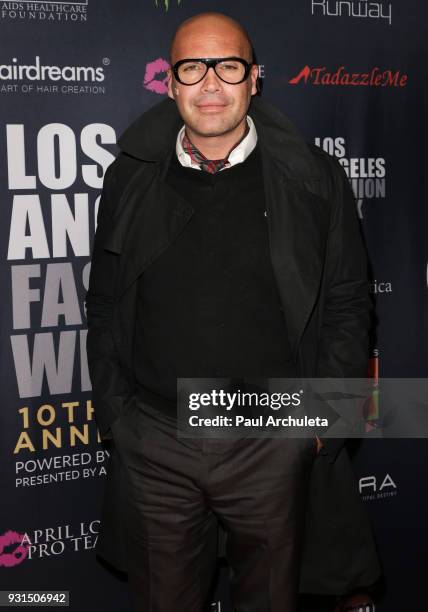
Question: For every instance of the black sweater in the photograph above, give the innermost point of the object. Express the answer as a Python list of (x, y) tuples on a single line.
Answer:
[(208, 305)]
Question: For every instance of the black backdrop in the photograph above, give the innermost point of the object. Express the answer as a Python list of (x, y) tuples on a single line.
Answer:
[(351, 76)]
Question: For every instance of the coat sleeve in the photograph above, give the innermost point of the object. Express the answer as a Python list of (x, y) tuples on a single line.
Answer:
[(110, 388), (344, 340)]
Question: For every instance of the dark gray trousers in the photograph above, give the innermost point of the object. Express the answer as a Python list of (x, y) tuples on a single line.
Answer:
[(177, 490)]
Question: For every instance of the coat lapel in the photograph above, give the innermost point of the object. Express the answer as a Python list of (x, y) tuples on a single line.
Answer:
[(298, 228), (159, 215)]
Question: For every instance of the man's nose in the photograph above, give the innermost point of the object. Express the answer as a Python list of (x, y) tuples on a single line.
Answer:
[(211, 82)]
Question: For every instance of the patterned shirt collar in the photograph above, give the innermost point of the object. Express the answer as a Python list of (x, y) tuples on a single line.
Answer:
[(236, 156)]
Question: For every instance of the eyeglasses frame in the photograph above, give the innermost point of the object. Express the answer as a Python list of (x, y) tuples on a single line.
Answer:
[(211, 62)]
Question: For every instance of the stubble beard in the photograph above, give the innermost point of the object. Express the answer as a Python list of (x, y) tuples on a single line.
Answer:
[(226, 126)]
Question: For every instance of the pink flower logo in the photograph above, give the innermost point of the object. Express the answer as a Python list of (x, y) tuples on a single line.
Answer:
[(155, 78), (18, 554)]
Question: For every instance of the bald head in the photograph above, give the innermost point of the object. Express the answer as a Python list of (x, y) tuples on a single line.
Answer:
[(205, 29)]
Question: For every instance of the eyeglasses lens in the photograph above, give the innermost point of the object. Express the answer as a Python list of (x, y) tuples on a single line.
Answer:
[(230, 71)]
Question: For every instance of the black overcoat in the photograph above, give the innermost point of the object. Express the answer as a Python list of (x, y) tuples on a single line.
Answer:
[(320, 267)]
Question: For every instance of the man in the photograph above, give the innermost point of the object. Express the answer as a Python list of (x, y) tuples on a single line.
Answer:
[(225, 247)]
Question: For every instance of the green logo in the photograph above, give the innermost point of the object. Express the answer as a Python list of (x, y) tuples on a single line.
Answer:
[(166, 3)]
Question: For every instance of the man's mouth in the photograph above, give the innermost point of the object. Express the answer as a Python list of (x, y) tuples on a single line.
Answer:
[(211, 108)]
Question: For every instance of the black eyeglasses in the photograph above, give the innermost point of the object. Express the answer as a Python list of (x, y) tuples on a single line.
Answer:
[(232, 70)]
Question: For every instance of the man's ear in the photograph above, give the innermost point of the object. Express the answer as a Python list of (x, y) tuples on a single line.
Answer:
[(170, 83), (254, 76)]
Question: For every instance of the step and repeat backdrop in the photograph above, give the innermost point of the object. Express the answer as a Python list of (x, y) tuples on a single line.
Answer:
[(73, 75)]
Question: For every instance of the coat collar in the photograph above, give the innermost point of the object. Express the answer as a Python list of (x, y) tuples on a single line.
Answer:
[(152, 137)]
